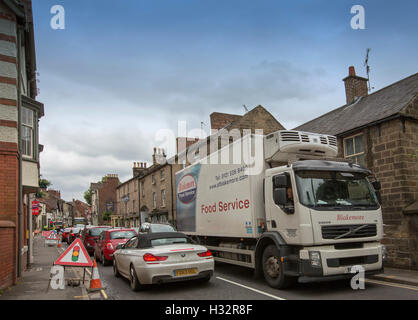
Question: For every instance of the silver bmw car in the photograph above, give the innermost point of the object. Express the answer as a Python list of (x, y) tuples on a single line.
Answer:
[(162, 257)]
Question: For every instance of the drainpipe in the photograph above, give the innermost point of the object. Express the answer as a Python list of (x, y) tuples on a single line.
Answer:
[(20, 191), (172, 195)]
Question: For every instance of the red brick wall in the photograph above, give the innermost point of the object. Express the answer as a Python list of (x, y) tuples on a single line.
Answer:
[(107, 193), (7, 254), (8, 214)]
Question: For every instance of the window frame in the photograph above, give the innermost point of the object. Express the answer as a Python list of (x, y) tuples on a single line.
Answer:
[(32, 128), (163, 198), (355, 154)]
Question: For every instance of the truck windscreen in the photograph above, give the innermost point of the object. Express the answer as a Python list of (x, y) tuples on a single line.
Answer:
[(331, 190)]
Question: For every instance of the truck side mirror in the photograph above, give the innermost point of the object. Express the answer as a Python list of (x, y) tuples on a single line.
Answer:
[(279, 196), (280, 181), (376, 185)]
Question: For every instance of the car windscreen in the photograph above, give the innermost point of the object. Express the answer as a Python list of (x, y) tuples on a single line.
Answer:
[(122, 235), (162, 228), (95, 232), (166, 241)]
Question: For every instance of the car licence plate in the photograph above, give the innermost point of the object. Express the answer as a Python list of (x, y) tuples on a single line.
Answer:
[(185, 272)]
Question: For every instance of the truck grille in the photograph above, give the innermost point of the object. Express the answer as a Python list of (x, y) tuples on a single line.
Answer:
[(348, 231)]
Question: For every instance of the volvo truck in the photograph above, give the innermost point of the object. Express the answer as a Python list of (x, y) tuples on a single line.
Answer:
[(284, 205)]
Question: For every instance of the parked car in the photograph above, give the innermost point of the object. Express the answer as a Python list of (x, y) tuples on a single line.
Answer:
[(65, 233), (147, 227), (74, 233), (108, 240), (90, 235), (162, 257)]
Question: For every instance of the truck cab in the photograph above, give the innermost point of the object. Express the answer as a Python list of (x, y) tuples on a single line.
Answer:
[(328, 213)]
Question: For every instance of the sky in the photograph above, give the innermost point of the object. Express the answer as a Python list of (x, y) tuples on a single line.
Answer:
[(121, 71)]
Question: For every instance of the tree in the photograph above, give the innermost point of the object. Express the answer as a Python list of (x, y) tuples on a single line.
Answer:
[(87, 196), (106, 215), (43, 184)]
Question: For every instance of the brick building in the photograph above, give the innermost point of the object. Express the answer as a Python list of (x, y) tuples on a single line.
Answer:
[(81, 210), (19, 146), (103, 198), (380, 131)]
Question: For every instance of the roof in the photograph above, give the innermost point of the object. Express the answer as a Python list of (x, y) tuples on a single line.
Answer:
[(378, 106)]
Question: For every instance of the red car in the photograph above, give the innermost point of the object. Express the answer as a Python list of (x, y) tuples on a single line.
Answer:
[(90, 235), (107, 242), (65, 233)]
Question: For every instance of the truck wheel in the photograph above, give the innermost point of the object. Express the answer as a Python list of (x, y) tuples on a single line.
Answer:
[(273, 269)]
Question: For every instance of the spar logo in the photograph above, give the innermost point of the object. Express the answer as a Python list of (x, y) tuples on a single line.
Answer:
[(186, 189)]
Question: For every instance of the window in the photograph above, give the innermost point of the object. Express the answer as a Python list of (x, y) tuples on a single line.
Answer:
[(353, 149), (27, 132), (163, 198), (162, 174), (153, 179), (135, 186), (143, 189), (154, 197)]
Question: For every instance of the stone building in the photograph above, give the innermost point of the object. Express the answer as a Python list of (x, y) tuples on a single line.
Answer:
[(103, 198), (157, 190), (19, 146), (127, 198), (380, 131)]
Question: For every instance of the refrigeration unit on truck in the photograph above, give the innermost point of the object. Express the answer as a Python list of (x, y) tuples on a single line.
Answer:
[(283, 208)]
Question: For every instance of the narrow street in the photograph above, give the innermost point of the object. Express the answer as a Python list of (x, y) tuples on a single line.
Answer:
[(237, 283)]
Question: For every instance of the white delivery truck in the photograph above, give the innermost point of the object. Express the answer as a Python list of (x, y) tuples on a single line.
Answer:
[(280, 206)]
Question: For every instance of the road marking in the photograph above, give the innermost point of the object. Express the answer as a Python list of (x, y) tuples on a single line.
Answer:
[(392, 284), (249, 288), (103, 293)]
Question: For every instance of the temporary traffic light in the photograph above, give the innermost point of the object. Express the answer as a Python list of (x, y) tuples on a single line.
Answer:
[(76, 252)]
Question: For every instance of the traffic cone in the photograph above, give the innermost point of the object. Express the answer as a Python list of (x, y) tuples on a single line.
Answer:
[(59, 242), (95, 283)]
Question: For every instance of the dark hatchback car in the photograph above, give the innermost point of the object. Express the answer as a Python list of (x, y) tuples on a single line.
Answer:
[(90, 236), (73, 234)]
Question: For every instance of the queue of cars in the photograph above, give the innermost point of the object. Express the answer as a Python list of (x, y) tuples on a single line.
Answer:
[(153, 253)]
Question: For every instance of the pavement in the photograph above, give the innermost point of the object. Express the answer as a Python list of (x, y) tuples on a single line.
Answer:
[(34, 283), (408, 277)]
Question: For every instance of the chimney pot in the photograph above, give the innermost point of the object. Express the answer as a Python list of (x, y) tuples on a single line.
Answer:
[(351, 71)]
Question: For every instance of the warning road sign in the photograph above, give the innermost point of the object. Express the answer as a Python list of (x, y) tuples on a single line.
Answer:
[(76, 255), (52, 236)]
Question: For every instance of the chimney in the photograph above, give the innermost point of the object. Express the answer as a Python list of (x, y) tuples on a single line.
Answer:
[(139, 169), (219, 120), (159, 156), (355, 86), (182, 143)]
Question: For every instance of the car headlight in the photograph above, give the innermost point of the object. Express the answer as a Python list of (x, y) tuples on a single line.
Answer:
[(315, 257)]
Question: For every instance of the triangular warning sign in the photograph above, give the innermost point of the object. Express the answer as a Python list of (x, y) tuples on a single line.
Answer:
[(52, 236), (76, 255)]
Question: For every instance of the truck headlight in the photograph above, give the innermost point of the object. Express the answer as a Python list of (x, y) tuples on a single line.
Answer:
[(384, 253), (315, 257)]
